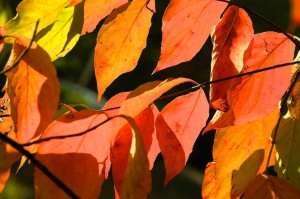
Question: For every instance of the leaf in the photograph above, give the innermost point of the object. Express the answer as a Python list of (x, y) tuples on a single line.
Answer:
[(295, 15), (232, 147), (120, 42), (136, 182), (8, 155), (95, 11), (62, 36), (178, 127), (288, 140), (269, 187), (47, 11), (33, 89), (180, 43), (79, 162), (231, 38), (145, 94), (255, 96)]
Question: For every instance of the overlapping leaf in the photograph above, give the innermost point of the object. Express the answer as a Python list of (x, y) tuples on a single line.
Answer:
[(30, 11), (232, 146), (79, 162), (95, 11), (120, 42), (60, 38), (178, 127), (186, 27), (269, 187), (288, 140), (254, 96), (231, 37), (33, 89)]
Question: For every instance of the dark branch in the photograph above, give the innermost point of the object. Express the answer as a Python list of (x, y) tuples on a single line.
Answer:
[(39, 165)]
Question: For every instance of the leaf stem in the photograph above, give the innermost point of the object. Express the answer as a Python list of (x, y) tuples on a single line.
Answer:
[(24, 52), (290, 37), (39, 165)]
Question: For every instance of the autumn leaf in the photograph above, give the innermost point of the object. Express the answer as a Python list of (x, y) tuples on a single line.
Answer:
[(95, 11), (254, 96), (295, 15), (146, 93), (178, 127), (62, 36), (120, 42), (288, 140), (79, 162), (270, 187), (231, 38), (25, 21), (33, 89), (232, 146), (180, 43)]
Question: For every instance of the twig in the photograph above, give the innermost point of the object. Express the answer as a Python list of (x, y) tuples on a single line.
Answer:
[(24, 52), (39, 165), (290, 37)]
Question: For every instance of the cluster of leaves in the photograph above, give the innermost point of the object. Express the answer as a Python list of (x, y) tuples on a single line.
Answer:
[(75, 150)]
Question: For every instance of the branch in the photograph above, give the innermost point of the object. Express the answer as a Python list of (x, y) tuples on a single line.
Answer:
[(24, 52), (39, 165), (265, 20)]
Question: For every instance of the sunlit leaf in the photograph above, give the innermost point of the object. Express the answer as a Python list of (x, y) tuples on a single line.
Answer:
[(254, 96), (270, 187), (30, 11), (232, 146), (79, 162), (178, 127), (120, 42), (33, 89), (96, 10), (186, 27), (231, 37), (60, 38)]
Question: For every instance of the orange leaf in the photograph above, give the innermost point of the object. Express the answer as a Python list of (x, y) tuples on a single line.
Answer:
[(232, 147), (180, 43), (33, 89), (78, 161), (120, 42), (295, 15), (178, 127), (254, 96), (145, 94), (8, 155), (231, 37), (95, 11), (270, 187)]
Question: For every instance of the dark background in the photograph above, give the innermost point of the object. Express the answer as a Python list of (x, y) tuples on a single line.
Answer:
[(78, 85)]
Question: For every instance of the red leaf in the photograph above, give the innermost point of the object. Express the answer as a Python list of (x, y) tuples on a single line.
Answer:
[(33, 89), (78, 161), (180, 43), (231, 37), (178, 127), (120, 42), (254, 96), (95, 11)]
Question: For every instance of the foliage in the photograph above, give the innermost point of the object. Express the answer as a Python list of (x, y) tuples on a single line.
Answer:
[(253, 80)]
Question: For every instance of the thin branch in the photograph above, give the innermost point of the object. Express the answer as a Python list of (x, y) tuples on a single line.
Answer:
[(290, 37), (39, 165), (224, 79), (65, 136), (283, 102), (24, 51)]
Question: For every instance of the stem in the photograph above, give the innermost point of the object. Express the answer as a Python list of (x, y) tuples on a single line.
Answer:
[(284, 101), (24, 52), (265, 20), (39, 165)]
